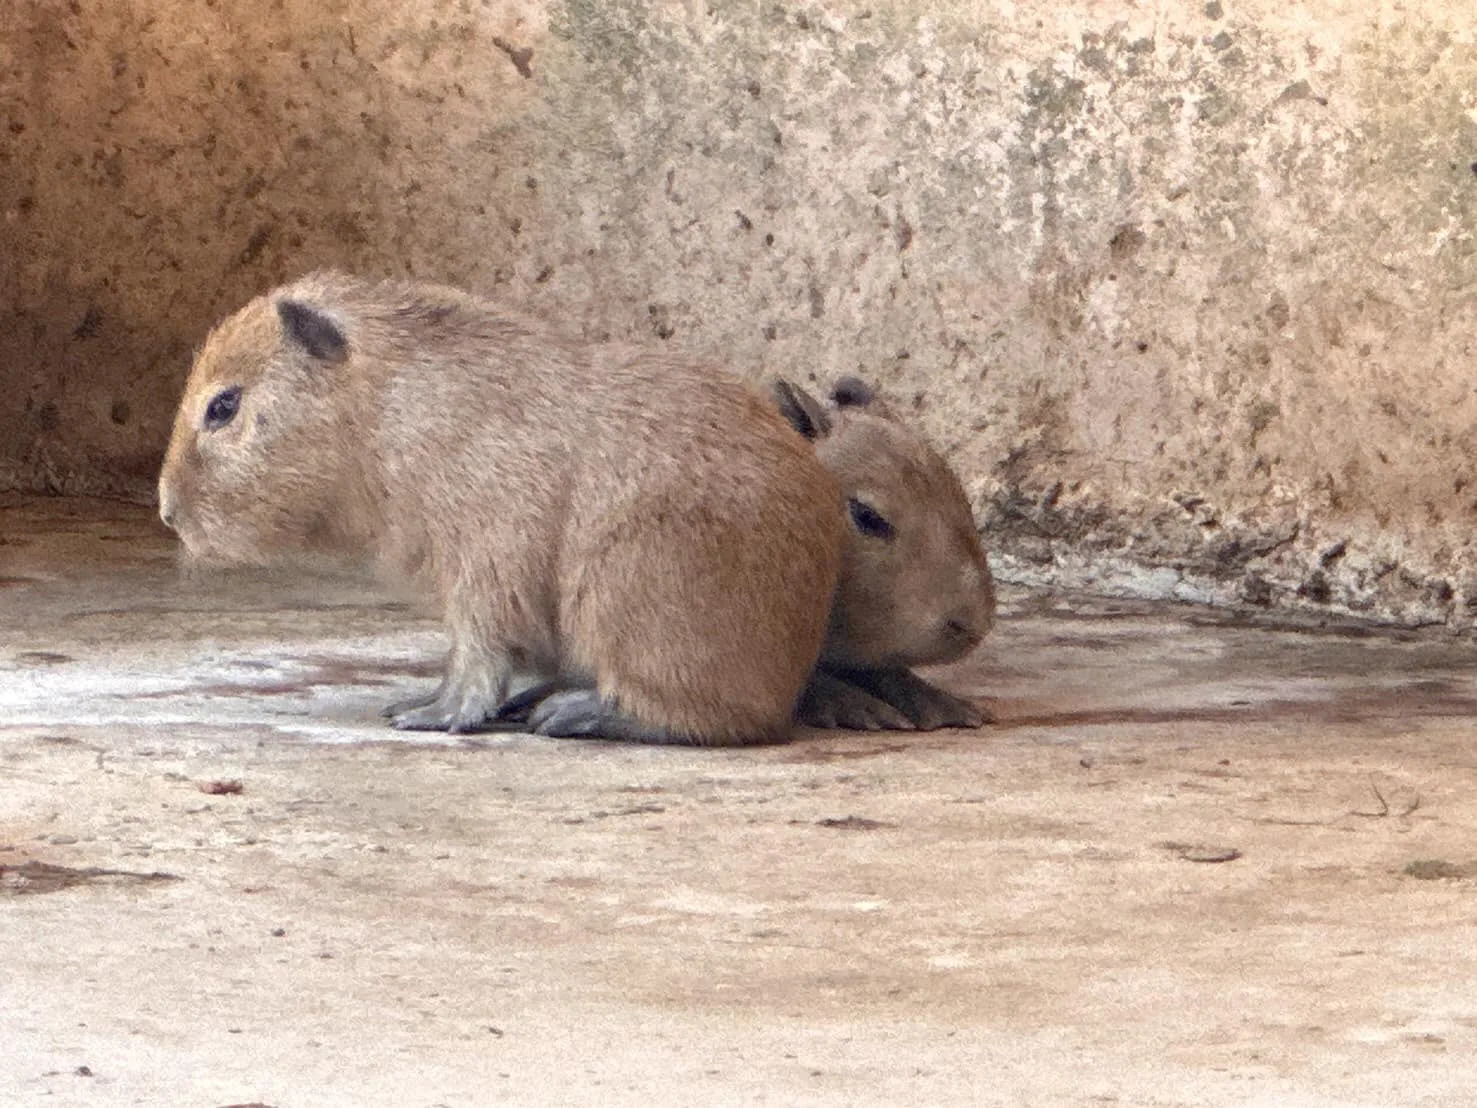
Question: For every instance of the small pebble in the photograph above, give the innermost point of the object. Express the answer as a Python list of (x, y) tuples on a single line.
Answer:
[(1200, 852)]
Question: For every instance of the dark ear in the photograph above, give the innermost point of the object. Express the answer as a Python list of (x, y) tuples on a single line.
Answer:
[(852, 392), (800, 408), (313, 331)]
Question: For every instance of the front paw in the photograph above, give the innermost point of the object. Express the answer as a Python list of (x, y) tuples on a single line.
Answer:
[(935, 709), (451, 711), (832, 703), (926, 707)]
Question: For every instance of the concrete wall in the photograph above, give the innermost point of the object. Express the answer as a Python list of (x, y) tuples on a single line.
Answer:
[(1186, 289)]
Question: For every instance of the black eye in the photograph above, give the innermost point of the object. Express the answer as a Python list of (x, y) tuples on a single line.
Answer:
[(222, 407), (868, 520)]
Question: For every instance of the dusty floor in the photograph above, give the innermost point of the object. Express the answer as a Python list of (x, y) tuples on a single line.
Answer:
[(1193, 863)]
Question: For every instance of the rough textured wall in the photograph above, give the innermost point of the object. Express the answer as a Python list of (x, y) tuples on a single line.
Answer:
[(1186, 289)]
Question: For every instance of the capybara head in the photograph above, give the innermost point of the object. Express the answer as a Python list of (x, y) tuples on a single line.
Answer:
[(915, 587), (255, 466)]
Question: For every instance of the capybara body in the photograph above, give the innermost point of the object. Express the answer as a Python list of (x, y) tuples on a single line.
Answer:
[(579, 513)]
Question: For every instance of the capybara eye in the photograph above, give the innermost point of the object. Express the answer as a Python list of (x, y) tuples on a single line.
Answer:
[(868, 520), (222, 408)]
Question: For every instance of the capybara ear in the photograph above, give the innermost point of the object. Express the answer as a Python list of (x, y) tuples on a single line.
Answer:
[(312, 330), (852, 392), (801, 409)]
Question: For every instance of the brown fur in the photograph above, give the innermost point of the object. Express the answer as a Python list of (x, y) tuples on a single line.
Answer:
[(920, 594), (650, 524), (924, 595), (915, 587)]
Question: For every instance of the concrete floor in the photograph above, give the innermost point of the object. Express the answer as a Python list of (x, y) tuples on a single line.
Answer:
[(1195, 862)]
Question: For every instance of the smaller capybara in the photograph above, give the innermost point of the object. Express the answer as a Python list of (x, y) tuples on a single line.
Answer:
[(915, 587)]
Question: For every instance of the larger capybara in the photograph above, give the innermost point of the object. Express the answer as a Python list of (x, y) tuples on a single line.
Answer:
[(645, 525)]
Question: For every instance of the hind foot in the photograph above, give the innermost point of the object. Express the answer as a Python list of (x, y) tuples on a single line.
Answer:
[(521, 704), (585, 714)]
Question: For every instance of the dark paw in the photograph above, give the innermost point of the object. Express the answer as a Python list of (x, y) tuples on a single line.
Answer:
[(519, 707), (832, 703), (573, 713), (938, 709), (926, 707), (585, 714)]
